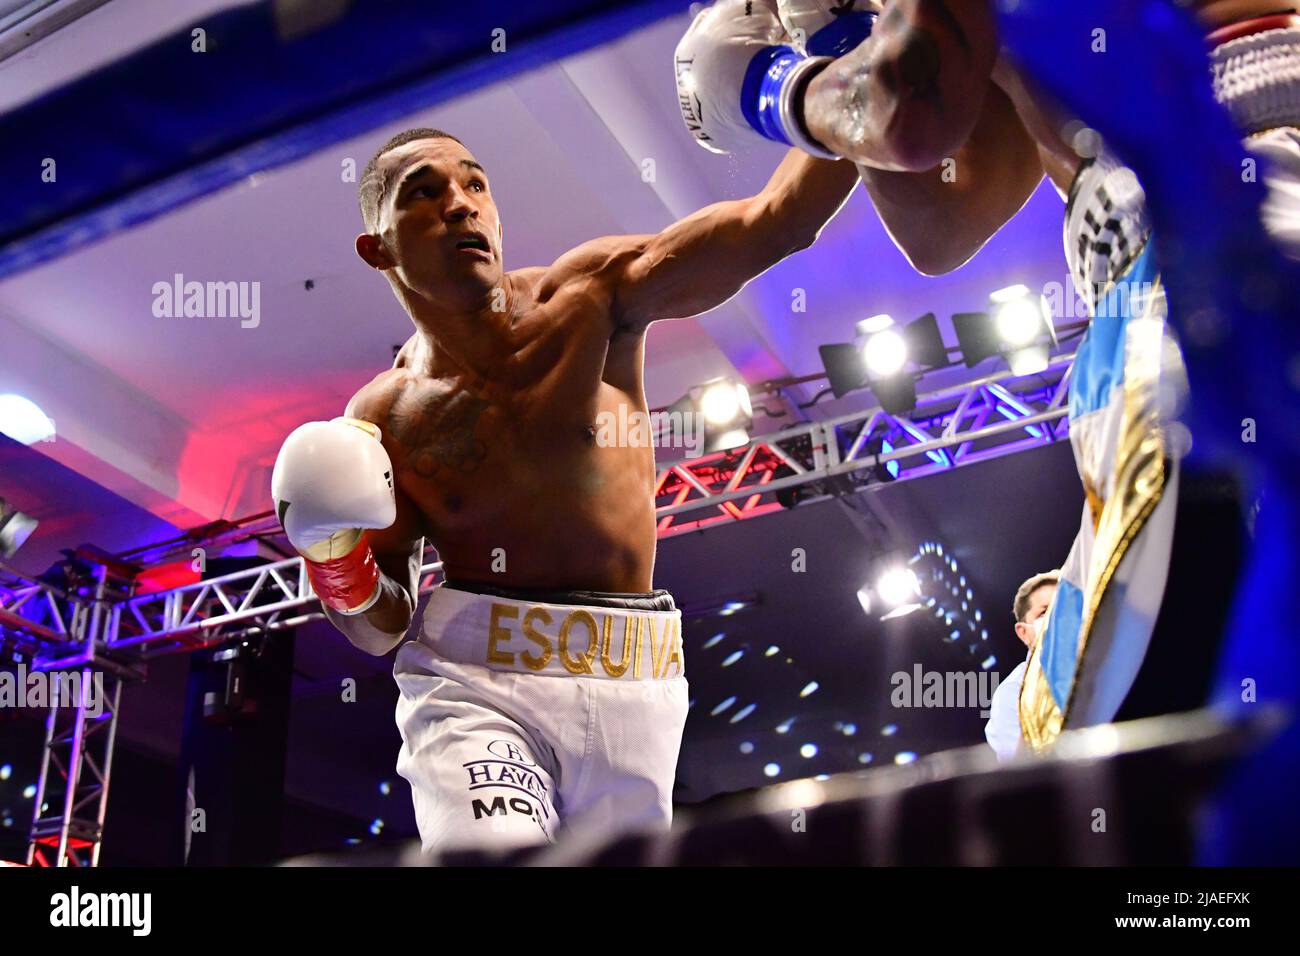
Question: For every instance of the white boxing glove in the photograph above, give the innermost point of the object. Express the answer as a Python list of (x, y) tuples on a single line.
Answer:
[(827, 27), (736, 78), (332, 481)]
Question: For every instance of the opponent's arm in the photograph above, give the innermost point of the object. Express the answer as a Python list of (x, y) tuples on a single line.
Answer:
[(942, 150), (942, 217), (909, 96)]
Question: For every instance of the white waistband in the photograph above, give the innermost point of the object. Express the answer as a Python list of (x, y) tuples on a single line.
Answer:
[(534, 637), (1257, 78)]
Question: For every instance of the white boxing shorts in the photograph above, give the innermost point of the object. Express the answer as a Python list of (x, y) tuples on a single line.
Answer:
[(524, 718)]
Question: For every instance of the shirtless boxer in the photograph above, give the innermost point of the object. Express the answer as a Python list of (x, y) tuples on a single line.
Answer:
[(901, 90), (547, 684)]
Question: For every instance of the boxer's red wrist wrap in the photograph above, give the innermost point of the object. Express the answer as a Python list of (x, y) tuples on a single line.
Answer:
[(348, 582)]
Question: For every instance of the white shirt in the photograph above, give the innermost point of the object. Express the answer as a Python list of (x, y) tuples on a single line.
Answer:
[(1003, 727)]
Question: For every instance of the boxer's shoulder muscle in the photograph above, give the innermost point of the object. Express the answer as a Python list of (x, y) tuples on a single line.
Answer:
[(591, 272), (576, 298), (374, 401)]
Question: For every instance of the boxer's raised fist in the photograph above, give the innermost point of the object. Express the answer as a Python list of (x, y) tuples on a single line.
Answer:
[(332, 478), (332, 481), (827, 27), (737, 79)]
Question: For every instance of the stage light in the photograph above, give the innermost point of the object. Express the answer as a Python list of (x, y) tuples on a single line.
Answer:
[(885, 357), (1018, 319), (721, 402), (1017, 327), (1029, 360), (23, 421), (895, 586), (898, 586), (725, 407), (874, 324), (15, 529), (884, 354)]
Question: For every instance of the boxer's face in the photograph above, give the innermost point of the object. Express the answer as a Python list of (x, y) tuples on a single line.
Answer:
[(1039, 601), (438, 220)]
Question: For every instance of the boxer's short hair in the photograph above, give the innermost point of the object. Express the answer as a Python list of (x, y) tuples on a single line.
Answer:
[(372, 183), (1020, 607)]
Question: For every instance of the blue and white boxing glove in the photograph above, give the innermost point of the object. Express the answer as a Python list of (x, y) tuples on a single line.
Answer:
[(738, 79), (827, 27)]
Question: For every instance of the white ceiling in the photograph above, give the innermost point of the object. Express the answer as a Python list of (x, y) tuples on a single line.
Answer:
[(183, 417)]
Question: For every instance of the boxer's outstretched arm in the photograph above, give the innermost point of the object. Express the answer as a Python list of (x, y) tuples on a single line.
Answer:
[(910, 96), (703, 260)]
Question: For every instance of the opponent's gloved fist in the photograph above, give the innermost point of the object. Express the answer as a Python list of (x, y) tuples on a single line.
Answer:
[(737, 78), (827, 27), (332, 480)]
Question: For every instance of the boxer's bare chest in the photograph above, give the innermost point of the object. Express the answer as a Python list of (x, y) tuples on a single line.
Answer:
[(469, 446)]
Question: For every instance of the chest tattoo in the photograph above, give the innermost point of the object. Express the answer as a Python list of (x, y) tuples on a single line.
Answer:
[(439, 433)]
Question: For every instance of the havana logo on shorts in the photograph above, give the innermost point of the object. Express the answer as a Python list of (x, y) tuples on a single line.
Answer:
[(511, 767)]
